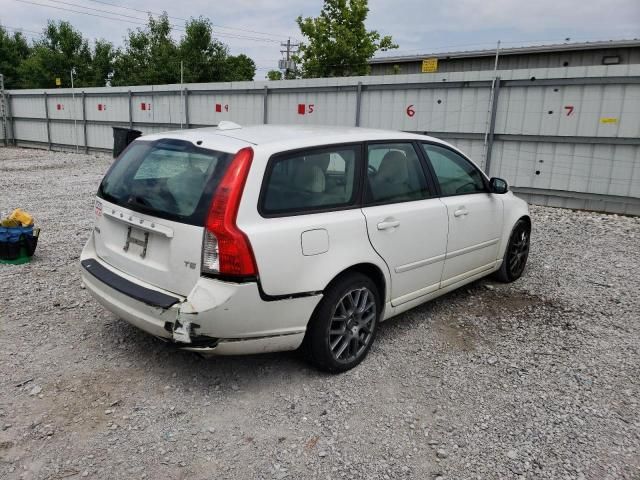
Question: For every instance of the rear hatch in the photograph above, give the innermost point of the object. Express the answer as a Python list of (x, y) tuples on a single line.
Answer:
[(151, 208)]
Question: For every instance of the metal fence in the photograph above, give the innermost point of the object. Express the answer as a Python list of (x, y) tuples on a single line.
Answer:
[(565, 137)]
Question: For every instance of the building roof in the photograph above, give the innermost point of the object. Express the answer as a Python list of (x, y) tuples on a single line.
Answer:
[(557, 47)]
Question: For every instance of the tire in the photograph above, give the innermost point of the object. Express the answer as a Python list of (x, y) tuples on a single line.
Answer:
[(516, 253), (336, 345)]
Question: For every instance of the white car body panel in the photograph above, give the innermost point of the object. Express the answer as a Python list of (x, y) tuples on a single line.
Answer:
[(414, 249), (432, 250), (475, 227), (172, 258)]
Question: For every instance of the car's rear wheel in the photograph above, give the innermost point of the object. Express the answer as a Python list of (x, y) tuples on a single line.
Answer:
[(344, 325), (517, 253)]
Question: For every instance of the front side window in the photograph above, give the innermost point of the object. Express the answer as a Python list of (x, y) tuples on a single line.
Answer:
[(171, 179), (455, 174), (311, 180), (394, 174)]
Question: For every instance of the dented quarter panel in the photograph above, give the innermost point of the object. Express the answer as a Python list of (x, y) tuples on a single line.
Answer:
[(278, 343), (235, 310)]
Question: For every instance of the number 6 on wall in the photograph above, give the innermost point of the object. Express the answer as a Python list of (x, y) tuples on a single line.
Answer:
[(410, 111)]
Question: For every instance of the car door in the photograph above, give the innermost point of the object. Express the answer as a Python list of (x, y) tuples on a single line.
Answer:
[(406, 222), (475, 214)]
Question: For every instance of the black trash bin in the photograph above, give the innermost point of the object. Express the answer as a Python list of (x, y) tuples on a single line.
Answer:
[(123, 137)]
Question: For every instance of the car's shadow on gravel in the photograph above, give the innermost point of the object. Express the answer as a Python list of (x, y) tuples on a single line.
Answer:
[(439, 318)]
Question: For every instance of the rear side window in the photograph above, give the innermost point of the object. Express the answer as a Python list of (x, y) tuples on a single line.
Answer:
[(394, 174), (170, 179), (310, 180), (455, 174)]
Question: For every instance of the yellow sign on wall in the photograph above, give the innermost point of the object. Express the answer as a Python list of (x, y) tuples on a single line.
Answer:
[(429, 65), (58, 82), (608, 120)]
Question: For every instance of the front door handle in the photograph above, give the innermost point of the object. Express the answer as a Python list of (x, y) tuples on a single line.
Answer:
[(388, 224), (461, 212)]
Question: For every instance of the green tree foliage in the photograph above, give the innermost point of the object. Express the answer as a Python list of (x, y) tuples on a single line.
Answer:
[(61, 48), (150, 56), (203, 56), (338, 42), (239, 68), (102, 61), (274, 75), (13, 51)]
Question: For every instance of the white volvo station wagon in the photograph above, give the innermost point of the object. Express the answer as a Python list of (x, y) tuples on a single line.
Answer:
[(238, 240)]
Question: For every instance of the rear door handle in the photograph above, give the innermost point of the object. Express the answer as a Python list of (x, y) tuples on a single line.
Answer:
[(461, 212), (388, 224)]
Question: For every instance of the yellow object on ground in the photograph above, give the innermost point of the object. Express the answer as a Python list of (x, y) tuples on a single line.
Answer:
[(19, 215), (9, 223)]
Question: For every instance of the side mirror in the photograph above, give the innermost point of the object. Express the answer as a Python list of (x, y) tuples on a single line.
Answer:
[(498, 185)]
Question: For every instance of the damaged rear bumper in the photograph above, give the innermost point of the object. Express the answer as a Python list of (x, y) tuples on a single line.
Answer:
[(216, 318)]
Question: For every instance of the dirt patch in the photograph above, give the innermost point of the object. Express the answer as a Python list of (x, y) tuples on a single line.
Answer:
[(482, 303)]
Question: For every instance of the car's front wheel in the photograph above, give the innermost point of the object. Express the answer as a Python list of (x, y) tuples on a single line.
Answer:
[(344, 324), (517, 253)]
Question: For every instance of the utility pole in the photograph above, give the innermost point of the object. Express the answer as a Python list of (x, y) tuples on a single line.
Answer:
[(75, 120), (181, 92), (288, 63), (4, 111)]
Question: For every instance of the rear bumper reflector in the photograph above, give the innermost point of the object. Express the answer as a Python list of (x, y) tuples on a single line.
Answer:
[(122, 285)]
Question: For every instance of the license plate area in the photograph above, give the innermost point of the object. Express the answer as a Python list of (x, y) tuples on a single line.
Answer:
[(137, 237)]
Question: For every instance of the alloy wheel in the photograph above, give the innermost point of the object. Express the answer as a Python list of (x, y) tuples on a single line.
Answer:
[(518, 252), (352, 324)]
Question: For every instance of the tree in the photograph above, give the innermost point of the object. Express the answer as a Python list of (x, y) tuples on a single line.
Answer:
[(239, 68), (102, 62), (274, 75), (204, 57), (338, 42), (150, 56), (61, 49), (13, 50)]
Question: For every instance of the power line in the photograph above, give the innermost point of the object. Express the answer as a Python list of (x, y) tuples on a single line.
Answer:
[(179, 18), (19, 30), (226, 35), (78, 11), (97, 9)]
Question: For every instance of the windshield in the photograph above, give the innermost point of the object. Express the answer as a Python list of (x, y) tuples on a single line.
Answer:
[(170, 179)]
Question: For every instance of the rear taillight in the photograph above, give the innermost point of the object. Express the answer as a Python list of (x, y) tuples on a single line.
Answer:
[(225, 248)]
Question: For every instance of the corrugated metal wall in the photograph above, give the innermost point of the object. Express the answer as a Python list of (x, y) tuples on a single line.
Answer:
[(557, 135), (575, 58)]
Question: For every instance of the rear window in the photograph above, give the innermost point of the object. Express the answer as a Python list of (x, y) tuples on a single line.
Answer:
[(170, 179)]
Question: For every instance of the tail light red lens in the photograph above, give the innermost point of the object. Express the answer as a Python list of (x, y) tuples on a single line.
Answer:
[(226, 248)]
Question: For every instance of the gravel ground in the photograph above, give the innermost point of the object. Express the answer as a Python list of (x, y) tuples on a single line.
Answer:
[(537, 379)]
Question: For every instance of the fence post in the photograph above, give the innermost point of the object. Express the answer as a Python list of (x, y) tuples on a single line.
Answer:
[(492, 126), (358, 103), (84, 122), (12, 123), (265, 112), (130, 111), (4, 112), (186, 107), (46, 114)]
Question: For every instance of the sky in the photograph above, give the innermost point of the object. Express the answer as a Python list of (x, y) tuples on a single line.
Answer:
[(256, 27)]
